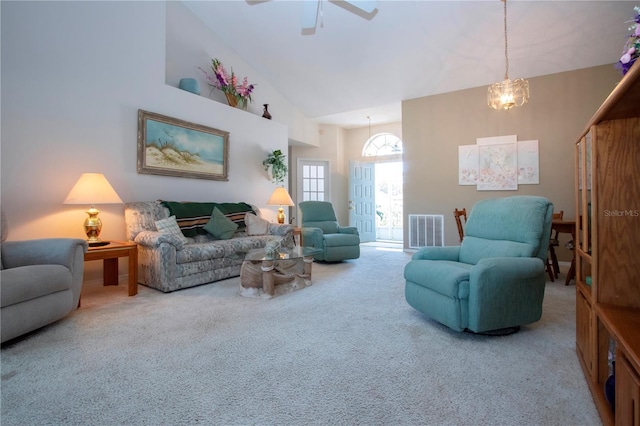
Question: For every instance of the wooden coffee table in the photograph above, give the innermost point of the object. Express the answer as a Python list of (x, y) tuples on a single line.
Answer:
[(292, 267)]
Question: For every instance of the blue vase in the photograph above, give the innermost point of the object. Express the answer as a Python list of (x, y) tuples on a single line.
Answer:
[(190, 85), (610, 388)]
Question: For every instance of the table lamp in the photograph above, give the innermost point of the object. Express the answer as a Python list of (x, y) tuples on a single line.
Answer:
[(92, 188), (280, 197)]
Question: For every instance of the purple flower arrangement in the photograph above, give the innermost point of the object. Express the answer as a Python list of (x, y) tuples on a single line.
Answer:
[(228, 83), (632, 47)]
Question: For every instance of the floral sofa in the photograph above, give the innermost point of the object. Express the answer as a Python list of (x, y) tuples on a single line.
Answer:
[(170, 260)]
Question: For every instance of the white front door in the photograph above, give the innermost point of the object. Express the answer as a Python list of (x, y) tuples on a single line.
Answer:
[(362, 199)]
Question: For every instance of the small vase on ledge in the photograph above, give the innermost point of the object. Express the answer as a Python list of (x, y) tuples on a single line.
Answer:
[(231, 100), (190, 85), (266, 114)]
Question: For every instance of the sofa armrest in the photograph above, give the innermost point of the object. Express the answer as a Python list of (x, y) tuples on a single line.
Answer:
[(438, 253), (153, 239), (157, 259), (282, 230), (50, 251)]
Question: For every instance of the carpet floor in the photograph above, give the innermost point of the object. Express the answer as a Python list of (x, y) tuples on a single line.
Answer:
[(347, 350)]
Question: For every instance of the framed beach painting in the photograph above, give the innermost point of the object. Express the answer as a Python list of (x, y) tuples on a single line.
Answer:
[(171, 147)]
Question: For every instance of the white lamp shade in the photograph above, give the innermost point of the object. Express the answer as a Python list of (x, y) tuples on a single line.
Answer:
[(280, 197), (92, 188)]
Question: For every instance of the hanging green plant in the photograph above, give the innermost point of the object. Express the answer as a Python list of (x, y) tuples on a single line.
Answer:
[(276, 162)]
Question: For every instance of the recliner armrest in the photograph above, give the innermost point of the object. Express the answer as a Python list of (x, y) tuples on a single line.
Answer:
[(438, 253), (312, 237), (505, 292), (503, 269), (347, 230), (50, 251)]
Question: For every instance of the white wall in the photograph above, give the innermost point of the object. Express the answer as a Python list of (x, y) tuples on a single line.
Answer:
[(186, 51), (74, 75)]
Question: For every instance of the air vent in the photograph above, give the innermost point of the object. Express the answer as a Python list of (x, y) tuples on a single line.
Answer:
[(426, 230)]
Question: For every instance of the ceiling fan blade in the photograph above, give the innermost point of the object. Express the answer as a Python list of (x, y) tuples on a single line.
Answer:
[(367, 6), (310, 13)]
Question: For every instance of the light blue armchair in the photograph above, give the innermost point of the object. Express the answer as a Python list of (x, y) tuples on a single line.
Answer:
[(40, 281), (494, 282), (320, 230)]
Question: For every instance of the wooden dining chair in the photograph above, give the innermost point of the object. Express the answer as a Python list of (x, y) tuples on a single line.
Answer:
[(459, 214), (553, 268)]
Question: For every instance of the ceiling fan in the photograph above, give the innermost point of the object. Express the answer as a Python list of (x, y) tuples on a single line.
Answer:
[(312, 9)]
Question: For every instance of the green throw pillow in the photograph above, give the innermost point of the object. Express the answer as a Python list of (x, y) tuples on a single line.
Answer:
[(220, 226)]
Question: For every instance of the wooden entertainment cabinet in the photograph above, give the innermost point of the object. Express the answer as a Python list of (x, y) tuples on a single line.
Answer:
[(608, 251)]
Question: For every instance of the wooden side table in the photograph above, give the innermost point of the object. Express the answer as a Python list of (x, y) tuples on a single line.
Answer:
[(567, 227), (297, 236), (110, 254)]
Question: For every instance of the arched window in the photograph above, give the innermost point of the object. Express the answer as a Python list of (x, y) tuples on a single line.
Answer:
[(382, 144)]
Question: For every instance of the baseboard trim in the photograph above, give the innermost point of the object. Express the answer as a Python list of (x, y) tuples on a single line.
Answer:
[(122, 279)]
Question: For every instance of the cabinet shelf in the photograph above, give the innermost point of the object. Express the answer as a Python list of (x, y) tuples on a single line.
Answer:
[(597, 391), (624, 324)]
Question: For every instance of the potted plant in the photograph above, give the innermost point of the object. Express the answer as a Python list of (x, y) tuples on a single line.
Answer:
[(276, 164)]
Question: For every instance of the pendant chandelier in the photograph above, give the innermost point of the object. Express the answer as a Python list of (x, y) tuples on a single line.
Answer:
[(508, 93)]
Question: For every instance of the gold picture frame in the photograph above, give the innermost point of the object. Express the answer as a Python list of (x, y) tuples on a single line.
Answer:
[(172, 147)]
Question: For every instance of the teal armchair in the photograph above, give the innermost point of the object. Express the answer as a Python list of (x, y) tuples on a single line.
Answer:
[(495, 279), (320, 230)]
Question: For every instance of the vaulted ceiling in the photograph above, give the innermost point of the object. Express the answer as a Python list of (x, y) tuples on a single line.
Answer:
[(356, 64)]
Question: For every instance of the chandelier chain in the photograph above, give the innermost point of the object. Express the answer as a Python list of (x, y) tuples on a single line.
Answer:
[(506, 56), (507, 93)]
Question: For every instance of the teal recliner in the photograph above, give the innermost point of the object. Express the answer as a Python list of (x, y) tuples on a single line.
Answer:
[(495, 279), (320, 230)]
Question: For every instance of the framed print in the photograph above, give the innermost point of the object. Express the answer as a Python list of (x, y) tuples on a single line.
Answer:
[(498, 167), (172, 147), (497, 140), (528, 163), (468, 164)]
